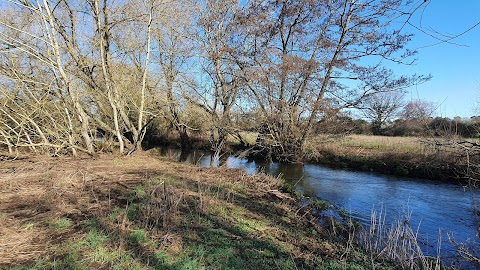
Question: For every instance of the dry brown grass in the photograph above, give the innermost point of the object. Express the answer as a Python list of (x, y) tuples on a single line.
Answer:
[(380, 145), (399, 242), (54, 210), (19, 243), (372, 145), (34, 192)]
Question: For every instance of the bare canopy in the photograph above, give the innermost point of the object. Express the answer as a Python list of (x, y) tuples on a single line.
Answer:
[(99, 75)]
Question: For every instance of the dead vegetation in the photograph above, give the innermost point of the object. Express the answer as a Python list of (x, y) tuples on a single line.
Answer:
[(38, 190), (145, 212)]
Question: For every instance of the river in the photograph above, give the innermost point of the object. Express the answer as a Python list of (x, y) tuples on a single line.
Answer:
[(433, 206)]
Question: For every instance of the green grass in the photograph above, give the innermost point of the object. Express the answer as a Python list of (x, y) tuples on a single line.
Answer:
[(28, 225), (333, 265), (211, 223), (138, 236), (134, 211), (61, 224), (115, 213), (319, 205), (139, 191), (94, 239)]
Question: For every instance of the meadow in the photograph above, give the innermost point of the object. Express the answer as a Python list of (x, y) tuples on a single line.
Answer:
[(373, 144), (423, 157)]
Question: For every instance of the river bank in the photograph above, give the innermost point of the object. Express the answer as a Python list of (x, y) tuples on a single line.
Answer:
[(428, 206), (414, 157), (146, 212), (410, 165)]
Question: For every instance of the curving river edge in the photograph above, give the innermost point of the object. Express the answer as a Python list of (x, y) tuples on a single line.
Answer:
[(435, 208)]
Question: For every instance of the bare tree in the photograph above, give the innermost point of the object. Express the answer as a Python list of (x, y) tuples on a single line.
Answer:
[(35, 39), (134, 19), (381, 108), (418, 110), (306, 52), (71, 56), (218, 38), (176, 49), (92, 67)]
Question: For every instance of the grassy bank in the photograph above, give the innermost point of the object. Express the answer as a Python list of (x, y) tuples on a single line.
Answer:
[(402, 156), (143, 212)]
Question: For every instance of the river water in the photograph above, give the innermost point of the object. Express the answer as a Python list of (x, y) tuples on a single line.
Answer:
[(433, 206)]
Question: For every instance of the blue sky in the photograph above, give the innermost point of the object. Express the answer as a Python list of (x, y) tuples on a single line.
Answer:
[(455, 86)]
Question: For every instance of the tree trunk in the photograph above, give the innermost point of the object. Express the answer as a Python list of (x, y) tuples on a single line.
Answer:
[(377, 127), (140, 125), (106, 74), (49, 19), (185, 141)]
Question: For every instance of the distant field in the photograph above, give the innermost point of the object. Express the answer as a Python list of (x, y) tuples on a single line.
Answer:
[(369, 144), (366, 143), (387, 144), (247, 136)]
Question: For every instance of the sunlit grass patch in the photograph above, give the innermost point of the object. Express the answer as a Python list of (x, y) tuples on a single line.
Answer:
[(369, 143), (422, 157), (94, 239), (103, 255), (238, 217), (250, 225), (384, 143), (249, 138), (61, 223), (139, 191), (28, 225)]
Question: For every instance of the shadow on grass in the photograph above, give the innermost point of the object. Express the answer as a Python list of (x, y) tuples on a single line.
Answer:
[(217, 224), (222, 245), (214, 241)]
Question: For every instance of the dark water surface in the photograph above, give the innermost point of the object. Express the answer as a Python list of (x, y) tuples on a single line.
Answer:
[(433, 206)]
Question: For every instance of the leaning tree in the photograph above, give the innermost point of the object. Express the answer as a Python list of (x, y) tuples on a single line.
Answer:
[(73, 69)]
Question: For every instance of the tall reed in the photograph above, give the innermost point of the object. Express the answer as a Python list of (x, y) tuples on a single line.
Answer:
[(398, 242)]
